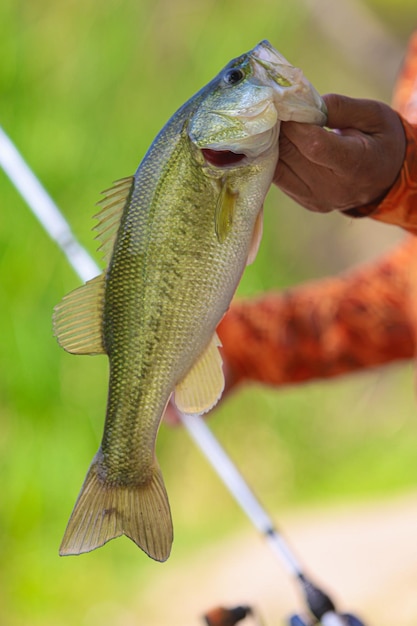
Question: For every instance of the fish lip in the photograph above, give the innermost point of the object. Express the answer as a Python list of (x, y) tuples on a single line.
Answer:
[(289, 81), (265, 53)]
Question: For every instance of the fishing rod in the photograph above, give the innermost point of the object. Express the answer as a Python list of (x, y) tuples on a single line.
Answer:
[(49, 215), (318, 602)]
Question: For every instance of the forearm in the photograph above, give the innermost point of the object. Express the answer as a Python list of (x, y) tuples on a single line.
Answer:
[(326, 328)]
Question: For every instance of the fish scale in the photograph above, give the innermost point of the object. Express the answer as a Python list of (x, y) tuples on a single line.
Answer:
[(176, 238)]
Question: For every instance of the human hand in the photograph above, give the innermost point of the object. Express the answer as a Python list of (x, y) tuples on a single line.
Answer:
[(347, 168)]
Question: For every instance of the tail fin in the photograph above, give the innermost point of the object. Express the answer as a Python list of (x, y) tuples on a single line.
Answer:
[(103, 512)]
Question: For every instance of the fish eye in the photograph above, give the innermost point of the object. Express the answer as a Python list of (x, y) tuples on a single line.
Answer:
[(233, 76)]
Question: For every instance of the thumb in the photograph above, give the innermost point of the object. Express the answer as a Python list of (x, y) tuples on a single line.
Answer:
[(368, 116)]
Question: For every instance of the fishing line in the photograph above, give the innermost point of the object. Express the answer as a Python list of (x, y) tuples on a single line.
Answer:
[(54, 223)]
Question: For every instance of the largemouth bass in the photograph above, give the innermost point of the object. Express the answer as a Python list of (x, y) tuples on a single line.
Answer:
[(176, 238)]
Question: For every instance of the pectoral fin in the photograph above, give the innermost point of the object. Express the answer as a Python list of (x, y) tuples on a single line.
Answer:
[(225, 209), (256, 237), (78, 319), (203, 386)]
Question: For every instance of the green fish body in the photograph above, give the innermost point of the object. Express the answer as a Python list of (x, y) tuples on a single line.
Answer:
[(176, 238)]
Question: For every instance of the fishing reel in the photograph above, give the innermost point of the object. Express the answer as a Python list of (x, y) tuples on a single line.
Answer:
[(347, 619), (322, 611), (229, 617)]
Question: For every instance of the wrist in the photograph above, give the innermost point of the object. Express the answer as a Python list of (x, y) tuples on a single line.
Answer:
[(373, 208), (363, 211)]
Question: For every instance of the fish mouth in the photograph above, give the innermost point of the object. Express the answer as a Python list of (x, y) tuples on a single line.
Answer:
[(222, 158), (241, 151), (296, 98), (246, 132)]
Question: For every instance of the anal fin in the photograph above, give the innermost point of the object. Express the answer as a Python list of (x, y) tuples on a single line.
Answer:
[(203, 386)]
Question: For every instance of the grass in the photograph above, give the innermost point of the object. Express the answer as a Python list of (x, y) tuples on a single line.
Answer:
[(84, 88)]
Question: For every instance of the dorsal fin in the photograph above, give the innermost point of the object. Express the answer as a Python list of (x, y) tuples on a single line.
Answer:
[(203, 386), (78, 318), (112, 205)]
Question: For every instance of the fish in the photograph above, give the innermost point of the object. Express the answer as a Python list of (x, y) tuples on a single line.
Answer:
[(175, 237)]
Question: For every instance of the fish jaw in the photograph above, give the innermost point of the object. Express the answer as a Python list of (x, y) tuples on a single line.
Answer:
[(242, 121), (295, 97)]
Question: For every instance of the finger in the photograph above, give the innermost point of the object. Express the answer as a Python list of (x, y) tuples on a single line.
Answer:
[(358, 121), (299, 190), (375, 130), (290, 183), (297, 177), (292, 161), (368, 116), (328, 149)]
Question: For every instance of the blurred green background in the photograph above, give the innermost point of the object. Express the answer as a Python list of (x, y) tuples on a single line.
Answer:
[(85, 86)]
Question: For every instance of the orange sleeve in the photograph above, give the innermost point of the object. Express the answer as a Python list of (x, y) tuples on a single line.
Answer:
[(399, 207), (404, 99), (323, 329)]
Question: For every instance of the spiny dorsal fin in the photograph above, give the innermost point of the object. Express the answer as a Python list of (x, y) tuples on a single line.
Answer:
[(203, 386), (112, 205), (256, 237), (225, 209), (78, 318)]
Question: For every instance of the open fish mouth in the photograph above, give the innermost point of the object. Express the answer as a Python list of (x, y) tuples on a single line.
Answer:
[(222, 158), (258, 128), (241, 151)]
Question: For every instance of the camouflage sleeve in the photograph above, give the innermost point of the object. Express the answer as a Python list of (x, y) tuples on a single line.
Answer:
[(326, 328)]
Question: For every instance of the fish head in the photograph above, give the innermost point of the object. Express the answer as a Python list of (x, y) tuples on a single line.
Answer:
[(240, 110)]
